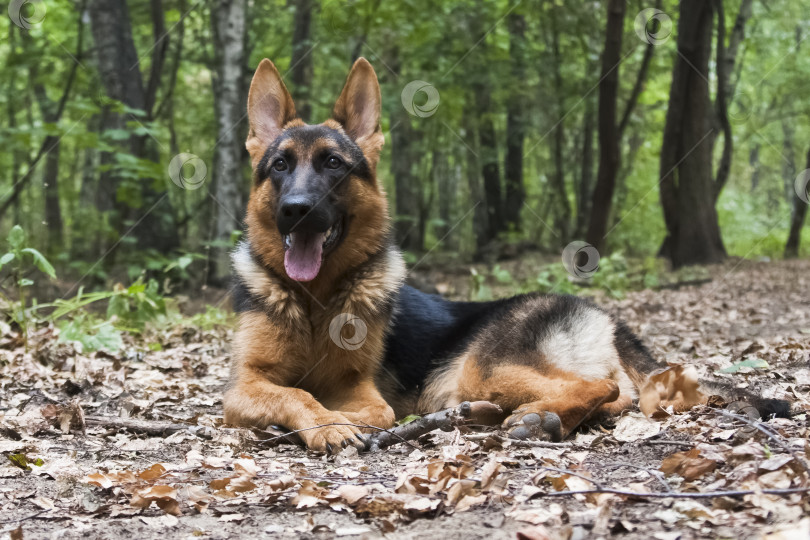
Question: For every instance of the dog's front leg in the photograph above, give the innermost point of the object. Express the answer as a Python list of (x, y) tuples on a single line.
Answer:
[(363, 404), (254, 401)]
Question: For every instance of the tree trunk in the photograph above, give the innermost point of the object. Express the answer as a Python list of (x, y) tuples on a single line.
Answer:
[(585, 190), (122, 80), (481, 226), (753, 162), (229, 22), (800, 204), (562, 215), (50, 175), (608, 134), (788, 160), (686, 187), (487, 142), (515, 123), (407, 186), (721, 101), (301, 61)]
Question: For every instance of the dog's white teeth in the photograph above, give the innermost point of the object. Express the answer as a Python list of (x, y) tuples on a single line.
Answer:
[(287, 240), (328, 232)]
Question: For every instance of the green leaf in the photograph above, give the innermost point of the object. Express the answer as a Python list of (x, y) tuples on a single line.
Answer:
[(106, 336), (41, 262), (408, 419), (16, 237), (754, 363), (5, 259), (21, 461)]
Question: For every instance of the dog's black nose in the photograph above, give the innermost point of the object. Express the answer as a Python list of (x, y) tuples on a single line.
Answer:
[(302, 213), (296, 207)]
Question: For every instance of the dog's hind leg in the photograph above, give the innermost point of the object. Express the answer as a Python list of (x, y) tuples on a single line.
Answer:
[(546, 405)]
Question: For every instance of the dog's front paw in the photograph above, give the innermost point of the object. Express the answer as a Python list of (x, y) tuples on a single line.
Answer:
[(528, 424), (381, 417), (332, 433)]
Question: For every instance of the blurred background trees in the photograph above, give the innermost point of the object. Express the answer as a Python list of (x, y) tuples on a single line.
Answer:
[(510, 125)]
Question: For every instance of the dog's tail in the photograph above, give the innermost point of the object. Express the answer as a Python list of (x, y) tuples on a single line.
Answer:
[(640, 365)]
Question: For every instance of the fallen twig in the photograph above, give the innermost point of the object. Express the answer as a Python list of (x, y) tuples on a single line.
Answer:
[(155, 428), (768, 433), (476, 412), (674, 494), (683, 444)]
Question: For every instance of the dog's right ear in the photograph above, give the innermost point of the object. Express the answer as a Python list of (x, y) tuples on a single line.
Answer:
[(270, 106)]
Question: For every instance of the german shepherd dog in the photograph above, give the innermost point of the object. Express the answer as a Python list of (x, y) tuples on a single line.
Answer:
[(318, 260)]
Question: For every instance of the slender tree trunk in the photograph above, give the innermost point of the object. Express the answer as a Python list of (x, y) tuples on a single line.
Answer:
[(753, 162), (50, 174), (611, 135), (481, 226), (229, 22), (721, 101), (608, 133), (562, 215), (407, 186), (515, 123), (585, 190), (487, 142), (788, 160), (301, 61), (686, 187), (798, 214)]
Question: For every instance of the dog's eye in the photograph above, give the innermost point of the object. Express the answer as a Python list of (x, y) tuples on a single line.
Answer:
[(280, 165), (333, 162)]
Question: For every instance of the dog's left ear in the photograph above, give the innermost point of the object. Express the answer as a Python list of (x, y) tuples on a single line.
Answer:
[(358, 109)]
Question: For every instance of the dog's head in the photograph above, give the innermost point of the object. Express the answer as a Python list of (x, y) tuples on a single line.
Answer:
[(315, 207)]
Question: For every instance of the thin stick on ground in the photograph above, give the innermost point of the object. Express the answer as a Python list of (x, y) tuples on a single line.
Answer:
[(156, 428), (768, 433), (674, 494), (476, 412)]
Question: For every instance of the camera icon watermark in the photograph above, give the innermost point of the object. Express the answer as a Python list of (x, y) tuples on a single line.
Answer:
[(26, 13), (580, 259), (348, 331), (183, 177), (423, 110), (645, 24), (802, 186)]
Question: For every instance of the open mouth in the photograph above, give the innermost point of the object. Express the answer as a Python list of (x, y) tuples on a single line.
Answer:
[(304, 251)]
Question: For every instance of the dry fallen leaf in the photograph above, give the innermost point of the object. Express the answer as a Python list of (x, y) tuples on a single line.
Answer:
[(676, 383), (163, 496), (688, 464)]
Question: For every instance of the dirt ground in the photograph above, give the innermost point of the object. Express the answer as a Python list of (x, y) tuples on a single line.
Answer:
[(66, 472)]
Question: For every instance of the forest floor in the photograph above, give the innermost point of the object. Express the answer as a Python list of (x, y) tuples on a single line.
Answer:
[(70, 470)]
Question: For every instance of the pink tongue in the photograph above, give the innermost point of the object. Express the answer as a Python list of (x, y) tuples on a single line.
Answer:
[(303, 259)]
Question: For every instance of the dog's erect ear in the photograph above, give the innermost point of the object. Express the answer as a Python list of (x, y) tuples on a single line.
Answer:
[(270, 106), (358, 109)]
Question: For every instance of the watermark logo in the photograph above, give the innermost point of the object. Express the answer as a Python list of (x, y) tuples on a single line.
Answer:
[(26, 13), (348, 331), (802, 186), (645, 25), (740, 108), (187, 171), (339, 18), (580, 259), (409, 98)]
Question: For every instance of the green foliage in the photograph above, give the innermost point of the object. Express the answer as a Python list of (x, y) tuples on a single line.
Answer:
[(22, 258)]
